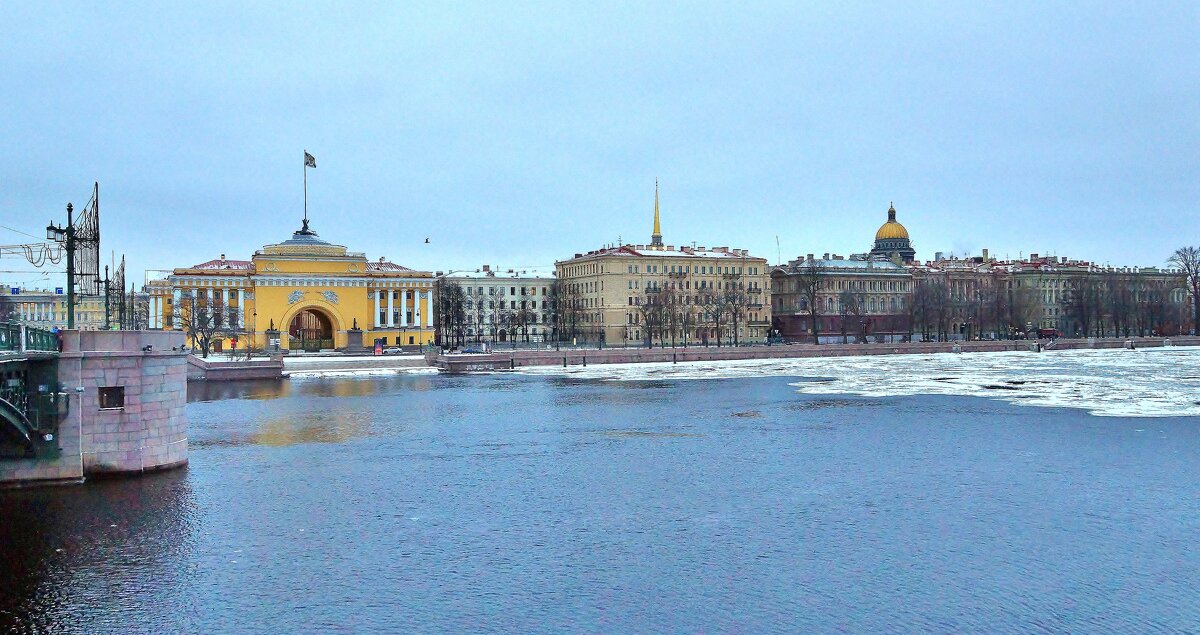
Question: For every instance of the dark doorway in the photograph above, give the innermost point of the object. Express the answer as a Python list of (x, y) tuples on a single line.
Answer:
[(311, 331)]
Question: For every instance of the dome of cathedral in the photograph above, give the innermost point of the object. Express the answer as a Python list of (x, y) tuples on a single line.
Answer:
[(892, 229)]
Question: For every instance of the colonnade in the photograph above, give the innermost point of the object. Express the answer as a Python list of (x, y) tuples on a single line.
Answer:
[(399, 318)]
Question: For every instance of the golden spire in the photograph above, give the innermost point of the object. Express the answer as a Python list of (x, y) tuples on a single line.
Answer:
[(656, 237)]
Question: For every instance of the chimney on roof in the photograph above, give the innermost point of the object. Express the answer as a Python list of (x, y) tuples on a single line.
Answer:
[(937, 255), (1033, 257), (810, 257), (985, 254), (487, 267), (222, 257), (826, 256)]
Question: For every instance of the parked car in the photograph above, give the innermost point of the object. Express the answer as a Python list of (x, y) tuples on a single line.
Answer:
[(393, 350)]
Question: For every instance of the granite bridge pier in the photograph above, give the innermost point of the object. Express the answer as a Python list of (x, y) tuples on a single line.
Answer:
[(78, 404)]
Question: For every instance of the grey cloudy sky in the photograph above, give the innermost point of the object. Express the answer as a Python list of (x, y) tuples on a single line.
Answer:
[(517, 134)]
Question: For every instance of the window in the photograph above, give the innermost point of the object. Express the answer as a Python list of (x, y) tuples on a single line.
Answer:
[(112, 397)]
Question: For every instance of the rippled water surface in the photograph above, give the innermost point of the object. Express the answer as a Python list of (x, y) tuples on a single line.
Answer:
[(525, 503)]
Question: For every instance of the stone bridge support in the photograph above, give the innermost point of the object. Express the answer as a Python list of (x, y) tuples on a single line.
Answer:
[(127, 391)]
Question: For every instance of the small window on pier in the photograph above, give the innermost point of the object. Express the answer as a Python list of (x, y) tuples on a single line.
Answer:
[(112, 397)]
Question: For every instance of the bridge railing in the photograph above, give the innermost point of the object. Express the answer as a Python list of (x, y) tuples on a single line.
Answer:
[(22, 337)]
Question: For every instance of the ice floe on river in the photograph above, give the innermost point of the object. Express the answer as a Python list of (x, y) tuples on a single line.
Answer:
[(1141, 383)]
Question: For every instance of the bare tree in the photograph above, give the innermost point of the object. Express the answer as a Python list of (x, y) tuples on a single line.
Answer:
[(714, 311), (204, 318), (931, 307), (687, 318), (1023, 307), (1187, 260), (736, 302), (8, 309), (847, 306), (810, 277), (552, 309), (449, 313)]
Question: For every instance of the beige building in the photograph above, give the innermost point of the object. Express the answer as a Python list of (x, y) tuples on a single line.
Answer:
[(663, 294), (48, 309)]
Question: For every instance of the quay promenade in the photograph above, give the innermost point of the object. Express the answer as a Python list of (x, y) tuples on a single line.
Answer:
[(500, 360)]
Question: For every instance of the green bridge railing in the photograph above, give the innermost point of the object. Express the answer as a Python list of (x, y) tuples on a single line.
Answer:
[(22, 337)]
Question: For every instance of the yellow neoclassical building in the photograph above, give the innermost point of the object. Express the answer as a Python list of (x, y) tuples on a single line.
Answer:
[(304, 292)]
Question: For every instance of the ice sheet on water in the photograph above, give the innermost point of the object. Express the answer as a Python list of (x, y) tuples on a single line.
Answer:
[(1141, 383)]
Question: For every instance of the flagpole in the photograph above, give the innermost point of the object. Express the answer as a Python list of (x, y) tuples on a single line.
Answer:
[(306, 187)]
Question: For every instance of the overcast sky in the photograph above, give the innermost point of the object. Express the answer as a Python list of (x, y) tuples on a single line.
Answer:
[(517, 135)]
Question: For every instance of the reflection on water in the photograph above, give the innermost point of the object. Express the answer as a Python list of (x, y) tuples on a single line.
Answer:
[(510, 503), (276, 388), (334, 427)]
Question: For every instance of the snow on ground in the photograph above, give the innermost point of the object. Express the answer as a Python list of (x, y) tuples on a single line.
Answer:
[(325, 359), (1160, 382)]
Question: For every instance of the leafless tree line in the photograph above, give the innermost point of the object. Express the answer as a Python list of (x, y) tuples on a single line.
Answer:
[(669, 315), (456, 313)]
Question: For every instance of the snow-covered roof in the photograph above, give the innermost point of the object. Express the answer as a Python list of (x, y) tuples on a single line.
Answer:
[(385, 266), (645, 251), (222, 264), (875, 265), (480, 274)]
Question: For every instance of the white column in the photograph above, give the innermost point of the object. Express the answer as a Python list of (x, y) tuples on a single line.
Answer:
[(428, 309), (404, 308), (391, 316), (225, 306), (153, 306), (375, 320), (176, 298), (241, 295)]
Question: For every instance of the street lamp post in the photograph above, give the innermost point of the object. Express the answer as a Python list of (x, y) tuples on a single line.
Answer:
[(107, 310), (66, 235)]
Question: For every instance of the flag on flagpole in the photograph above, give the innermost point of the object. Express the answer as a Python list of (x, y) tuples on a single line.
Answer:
[(309, 160)]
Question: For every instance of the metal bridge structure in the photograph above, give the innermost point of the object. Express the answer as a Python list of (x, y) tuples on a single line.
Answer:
[(32, 401)]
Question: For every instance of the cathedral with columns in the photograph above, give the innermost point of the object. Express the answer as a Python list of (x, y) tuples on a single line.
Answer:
[(302, 294)]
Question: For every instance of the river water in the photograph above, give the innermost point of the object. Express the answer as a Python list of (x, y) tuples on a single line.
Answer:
[(551, 502)]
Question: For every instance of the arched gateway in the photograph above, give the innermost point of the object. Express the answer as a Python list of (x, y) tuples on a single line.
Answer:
[(311, 330)]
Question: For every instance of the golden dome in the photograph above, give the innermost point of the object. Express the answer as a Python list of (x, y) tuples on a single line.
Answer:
[(891, 229)]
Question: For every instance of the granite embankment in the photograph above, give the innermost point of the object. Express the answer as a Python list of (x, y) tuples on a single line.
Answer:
[(218, 369), (515, 359)]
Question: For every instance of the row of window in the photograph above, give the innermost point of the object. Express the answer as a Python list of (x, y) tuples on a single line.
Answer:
[(511, 291), (700, 269), (870, 305), (635, 318), (849, 285), (491, 304), (686, 285)]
